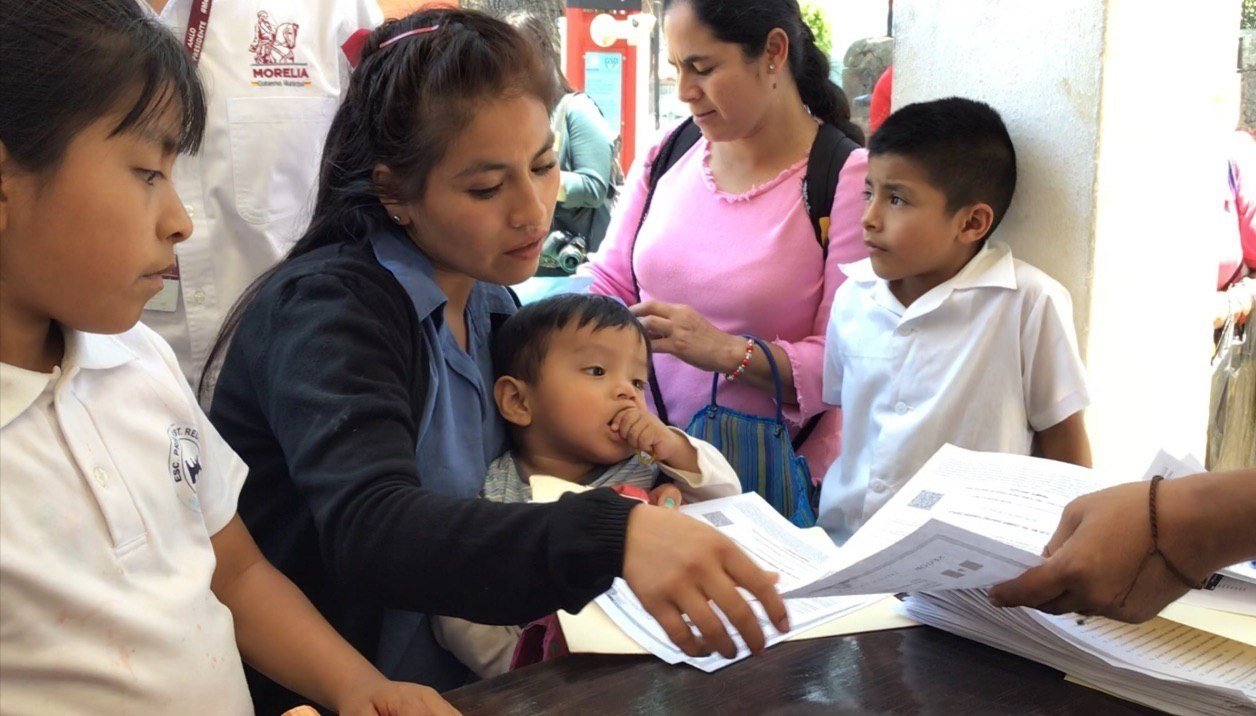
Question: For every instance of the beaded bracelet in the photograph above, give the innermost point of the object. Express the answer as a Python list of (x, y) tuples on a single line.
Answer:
[(745, 361)]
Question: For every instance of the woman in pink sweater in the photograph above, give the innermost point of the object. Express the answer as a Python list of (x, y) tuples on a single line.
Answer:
[(727, 247)]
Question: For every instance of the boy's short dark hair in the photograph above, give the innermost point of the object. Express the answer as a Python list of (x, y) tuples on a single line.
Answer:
[(522, 342), (963, 147)]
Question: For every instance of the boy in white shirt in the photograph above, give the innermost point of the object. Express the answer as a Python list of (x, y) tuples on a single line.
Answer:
[(940, 337), (572, 374)]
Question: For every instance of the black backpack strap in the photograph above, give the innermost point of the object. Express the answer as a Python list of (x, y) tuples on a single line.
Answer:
[(829, 153), (670, 152), (678, 142), (807, 428)]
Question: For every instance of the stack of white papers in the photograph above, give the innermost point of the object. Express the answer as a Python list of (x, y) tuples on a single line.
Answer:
[(964, 522), (1162, 664), (772, 542), (971, 520), (616, 623)]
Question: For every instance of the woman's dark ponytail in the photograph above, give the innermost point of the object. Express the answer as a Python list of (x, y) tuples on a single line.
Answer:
[(820, 93)]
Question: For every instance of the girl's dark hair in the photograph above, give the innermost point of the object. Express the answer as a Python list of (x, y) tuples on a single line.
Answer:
[(544, 35), (68, 63), (748, 22), (406, 103)]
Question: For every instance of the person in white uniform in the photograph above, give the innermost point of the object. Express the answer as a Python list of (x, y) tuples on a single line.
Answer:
[(128, 584), (941, 336), (274, 73)]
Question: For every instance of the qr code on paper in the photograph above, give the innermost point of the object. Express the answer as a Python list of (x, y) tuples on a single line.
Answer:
[(925, 499), (717, 519)]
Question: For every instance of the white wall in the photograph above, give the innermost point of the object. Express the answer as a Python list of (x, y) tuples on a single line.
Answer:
[(1048, 96), (1158, 213), (1107, 108)]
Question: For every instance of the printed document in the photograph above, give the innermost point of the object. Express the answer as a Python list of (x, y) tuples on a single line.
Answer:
[(965, 520), (772, 543)]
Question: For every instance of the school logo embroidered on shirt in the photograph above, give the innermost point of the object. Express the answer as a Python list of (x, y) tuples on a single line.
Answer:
[(274, 49), (185, 462)]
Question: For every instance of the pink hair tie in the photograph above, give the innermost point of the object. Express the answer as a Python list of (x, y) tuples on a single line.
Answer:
[(404, 35)]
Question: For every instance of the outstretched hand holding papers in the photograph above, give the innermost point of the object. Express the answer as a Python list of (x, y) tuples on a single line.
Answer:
[(616, 623), (969, 520), (965, 522)]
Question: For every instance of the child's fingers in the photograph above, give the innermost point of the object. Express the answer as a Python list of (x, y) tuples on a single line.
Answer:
[(658, 438), (636, 433), (622, 416), (623, 421)]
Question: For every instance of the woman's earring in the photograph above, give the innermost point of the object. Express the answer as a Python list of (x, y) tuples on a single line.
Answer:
[(396, 219), (772, 71)]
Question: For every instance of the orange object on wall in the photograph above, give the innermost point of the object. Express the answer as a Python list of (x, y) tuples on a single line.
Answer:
[(599, 80)]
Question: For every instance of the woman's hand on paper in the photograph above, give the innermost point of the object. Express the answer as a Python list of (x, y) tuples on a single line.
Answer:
[(1095, 556), (680, 568), (681, 331)]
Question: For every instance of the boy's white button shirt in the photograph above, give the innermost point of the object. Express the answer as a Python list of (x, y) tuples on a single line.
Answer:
[(982, 361), (274, 73), (113, 482)]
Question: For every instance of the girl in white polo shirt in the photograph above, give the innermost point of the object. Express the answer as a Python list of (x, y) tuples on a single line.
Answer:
[(126, 579)]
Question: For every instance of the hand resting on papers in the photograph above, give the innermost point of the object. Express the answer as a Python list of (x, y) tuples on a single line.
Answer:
[(1096, 558), (678, 567)]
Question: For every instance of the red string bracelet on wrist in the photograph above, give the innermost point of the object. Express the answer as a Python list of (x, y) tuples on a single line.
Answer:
[(1155, 548), (1155, 540)]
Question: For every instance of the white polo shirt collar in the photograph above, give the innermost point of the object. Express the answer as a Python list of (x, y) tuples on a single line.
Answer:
[(19, 387), (114, 485), (991, 267)]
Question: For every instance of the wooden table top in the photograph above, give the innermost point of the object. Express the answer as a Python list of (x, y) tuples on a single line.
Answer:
[(917, 670)]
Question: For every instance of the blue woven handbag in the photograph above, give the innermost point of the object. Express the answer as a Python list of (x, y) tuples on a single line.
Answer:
[(760, 450)]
